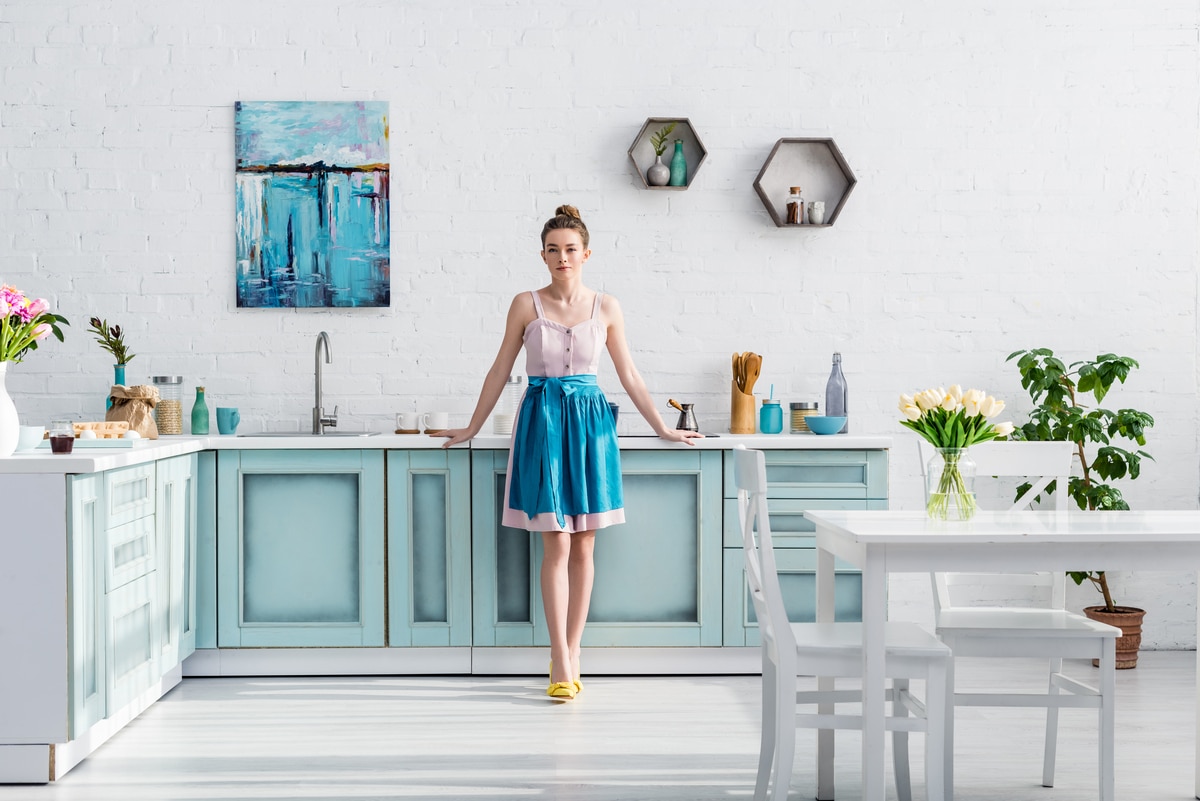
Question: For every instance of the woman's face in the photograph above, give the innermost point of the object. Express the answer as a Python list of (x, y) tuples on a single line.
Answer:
[(564, 253)]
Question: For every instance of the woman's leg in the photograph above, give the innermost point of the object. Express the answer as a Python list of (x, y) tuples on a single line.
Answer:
[(556, 553), (581, 571), (567, 575)]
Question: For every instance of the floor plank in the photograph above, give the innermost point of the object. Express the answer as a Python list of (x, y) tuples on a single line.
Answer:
[(624, 738)]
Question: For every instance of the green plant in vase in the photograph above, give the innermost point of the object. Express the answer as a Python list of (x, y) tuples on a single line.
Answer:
[(112, 339), (1057, 391), (660, 173)]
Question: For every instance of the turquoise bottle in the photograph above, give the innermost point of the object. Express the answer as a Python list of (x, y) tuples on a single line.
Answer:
[(200, 414), (678, 166)]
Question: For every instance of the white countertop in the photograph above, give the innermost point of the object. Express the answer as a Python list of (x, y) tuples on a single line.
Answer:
[(85, 459)]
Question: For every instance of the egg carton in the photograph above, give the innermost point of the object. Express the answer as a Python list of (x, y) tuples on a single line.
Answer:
[(110, 429)]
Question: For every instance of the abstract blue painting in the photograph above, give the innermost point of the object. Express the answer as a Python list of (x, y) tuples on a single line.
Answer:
[(312, 189)]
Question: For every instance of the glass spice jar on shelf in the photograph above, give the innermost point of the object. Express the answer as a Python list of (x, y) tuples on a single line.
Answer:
[(795, 207)]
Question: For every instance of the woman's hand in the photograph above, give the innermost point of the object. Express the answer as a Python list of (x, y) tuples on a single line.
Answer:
[(455, 435), (676, 435)]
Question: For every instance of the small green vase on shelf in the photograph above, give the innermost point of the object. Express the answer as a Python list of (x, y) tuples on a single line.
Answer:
[(200, 413), (678, 166)]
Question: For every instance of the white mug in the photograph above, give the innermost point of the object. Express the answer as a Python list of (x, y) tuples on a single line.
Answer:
[(408, 421), (435, 421), (816, 212)]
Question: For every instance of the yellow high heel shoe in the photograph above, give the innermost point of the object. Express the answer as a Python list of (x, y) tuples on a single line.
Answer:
[(578, 684), (560, 690)]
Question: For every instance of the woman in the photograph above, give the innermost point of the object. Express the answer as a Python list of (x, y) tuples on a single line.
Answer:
[(564, 472)]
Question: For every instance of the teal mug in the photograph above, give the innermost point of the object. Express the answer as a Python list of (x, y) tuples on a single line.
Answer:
[(228, 419)]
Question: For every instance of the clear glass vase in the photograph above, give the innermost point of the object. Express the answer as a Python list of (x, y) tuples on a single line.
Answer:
[(950, 485)]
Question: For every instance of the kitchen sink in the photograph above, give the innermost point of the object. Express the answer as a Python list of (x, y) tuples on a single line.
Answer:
[(310, 434)]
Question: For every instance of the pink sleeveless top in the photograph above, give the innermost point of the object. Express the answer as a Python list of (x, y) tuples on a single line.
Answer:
[(553, 350)]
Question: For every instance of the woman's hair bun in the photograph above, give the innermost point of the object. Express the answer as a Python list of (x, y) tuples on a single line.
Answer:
[(567, 211)]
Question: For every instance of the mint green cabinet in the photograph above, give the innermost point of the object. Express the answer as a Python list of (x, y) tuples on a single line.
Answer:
[(429, 547), (175, 545), (800, 481), (658, 576), (86, 614), (300, 548)]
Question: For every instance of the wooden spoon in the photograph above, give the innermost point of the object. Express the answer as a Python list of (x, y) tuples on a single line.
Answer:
[(738, 377), (753, 367)]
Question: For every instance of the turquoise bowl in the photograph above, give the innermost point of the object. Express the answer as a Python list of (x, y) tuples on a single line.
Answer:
[(825, 425)]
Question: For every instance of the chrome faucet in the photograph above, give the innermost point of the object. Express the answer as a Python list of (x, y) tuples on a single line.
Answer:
[(319, 418)]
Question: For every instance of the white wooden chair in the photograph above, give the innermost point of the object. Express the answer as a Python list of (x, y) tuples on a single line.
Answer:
[(1027, 629), (831, 650)]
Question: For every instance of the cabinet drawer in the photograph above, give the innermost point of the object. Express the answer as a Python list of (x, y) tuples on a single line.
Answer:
[(820, 474), (789, 527), (129, 552), (131, 643), (797, 581), (130, 493)]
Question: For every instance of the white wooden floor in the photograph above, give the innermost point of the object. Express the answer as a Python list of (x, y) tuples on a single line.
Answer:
[(684, 739)]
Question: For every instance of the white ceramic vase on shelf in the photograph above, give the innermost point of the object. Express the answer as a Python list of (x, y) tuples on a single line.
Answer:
[(10, 428), (659, 173)]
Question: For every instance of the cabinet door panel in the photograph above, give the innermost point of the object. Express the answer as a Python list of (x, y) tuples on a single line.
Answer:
[(658, 576), (502, 560), (176, 546), (300, 548), (132, 641), (429, 538), (87, 618)]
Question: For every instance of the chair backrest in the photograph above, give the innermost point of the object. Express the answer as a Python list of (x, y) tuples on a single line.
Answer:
[(750, 478), (1040, 463)]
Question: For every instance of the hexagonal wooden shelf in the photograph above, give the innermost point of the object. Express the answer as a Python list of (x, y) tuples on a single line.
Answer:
[(641, 152), (814, 165)]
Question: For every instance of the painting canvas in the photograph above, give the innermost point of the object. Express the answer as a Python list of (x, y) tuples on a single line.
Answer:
[(312, 189)]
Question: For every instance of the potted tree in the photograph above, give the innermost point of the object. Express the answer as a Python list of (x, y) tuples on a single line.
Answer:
[(1058, 414)]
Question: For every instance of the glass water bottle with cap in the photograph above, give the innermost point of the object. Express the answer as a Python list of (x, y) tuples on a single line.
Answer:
[(835, 393)]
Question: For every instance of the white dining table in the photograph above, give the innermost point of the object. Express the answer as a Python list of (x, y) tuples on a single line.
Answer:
[(883, 542)]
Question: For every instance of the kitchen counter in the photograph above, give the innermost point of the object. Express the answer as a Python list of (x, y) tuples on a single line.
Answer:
[(95, 459)]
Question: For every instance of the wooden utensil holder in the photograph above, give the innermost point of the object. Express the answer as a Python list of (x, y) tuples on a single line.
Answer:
[(741, 411)]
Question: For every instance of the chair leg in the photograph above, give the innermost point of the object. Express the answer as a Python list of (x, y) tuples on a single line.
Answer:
[(825, 744), (785, 741), (939, 710), (766, 747), (1108, 699), (900, 743), (1051, 728)]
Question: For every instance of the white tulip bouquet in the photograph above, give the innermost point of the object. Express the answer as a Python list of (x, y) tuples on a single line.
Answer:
[(953, 420)]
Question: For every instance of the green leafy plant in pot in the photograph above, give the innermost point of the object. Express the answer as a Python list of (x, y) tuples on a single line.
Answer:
[(1058, 415), (659, 174)]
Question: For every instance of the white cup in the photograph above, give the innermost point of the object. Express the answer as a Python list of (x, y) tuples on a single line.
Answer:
[(502, 423), (29, 437), (435, 421), (408, 421), (816, 212)]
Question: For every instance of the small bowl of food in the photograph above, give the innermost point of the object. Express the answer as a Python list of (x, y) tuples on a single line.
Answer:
[(825, 425)]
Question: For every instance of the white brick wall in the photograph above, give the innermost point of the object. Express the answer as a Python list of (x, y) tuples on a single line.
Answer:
[(1028, 177)]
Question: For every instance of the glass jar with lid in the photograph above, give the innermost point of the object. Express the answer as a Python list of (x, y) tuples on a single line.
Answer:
[(800, 410), (168, 414)]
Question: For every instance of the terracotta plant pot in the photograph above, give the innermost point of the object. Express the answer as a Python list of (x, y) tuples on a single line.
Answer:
[(1129, 620)]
